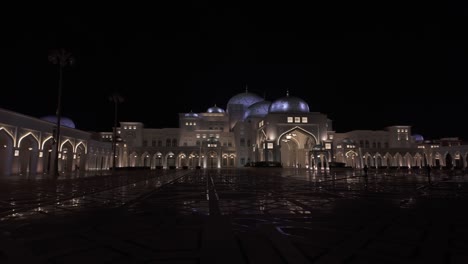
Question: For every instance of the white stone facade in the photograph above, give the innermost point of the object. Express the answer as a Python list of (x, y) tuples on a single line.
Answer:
[(253, 129), (27, 147), (250, 130)]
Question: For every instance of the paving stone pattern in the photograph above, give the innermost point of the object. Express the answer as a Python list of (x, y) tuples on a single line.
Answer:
[(251, 215)]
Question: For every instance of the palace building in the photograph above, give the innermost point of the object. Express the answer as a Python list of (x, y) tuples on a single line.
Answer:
[(249, 130)]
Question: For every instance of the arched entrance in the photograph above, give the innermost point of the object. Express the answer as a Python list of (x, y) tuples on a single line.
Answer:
[(171, 160), (193, 160), (289, 155), (295, 146), (66, 160), (158, 160), (47, 155), (133, 159), (6, 150), (212, 160), (28, 155), (146, 160), (182, 160), (80, 157), (351, 159)]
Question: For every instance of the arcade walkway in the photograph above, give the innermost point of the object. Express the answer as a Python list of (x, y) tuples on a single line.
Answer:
[(248, 215)]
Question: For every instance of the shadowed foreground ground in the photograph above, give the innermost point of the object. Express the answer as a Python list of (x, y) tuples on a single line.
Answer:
[(250, 215)]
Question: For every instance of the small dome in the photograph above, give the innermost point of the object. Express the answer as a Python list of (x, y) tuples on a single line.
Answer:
[(289, 104), (215, 109), (418, 138), (246, 99), (64, 121), (191, 114), (258, 109)]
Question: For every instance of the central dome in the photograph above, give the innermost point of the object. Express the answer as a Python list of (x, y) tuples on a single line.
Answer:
[(259, 109), (246, 99), (289, 104)]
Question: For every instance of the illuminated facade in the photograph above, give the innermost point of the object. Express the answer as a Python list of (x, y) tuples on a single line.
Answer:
[(26, 146), (250, 129), (253, 129)]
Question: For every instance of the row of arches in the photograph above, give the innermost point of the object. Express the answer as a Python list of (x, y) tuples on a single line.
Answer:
[(34, 153), (192, 159), (409, 160)]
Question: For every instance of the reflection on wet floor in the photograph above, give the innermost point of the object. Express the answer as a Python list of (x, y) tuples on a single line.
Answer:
[(63, 196), (264, 192), (272, 215), (281, 192)]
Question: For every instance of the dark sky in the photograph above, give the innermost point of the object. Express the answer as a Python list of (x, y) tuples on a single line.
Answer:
[(366, 67)]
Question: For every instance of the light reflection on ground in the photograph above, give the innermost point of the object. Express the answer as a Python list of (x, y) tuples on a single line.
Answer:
[(266, 192)]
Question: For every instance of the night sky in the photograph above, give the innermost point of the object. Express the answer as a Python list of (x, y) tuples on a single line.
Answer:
[(366, 67)]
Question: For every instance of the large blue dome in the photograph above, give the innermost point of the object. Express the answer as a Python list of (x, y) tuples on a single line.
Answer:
[(259, 109), (246, 99), (64, 121), (289, 104)]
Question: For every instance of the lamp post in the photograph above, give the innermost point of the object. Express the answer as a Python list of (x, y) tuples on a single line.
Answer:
[(61, 58), (116, 99), (200, 154)]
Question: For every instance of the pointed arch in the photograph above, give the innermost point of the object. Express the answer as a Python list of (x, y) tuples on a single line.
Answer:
[(6, 150), (182, 159), (398, 159), (194, 159), (378, 160), (27, 134), (82, 144), (294, 146), (133, 159), (418, 160), (66, 158), (45, 141), (407, 160), (351, 158), (158, 160), (212, 159), (170, 160), (28, 150), (8, 133), (80, 157), (278, 140), (368, 160), (64, 142), (389, 160), (145, 159)]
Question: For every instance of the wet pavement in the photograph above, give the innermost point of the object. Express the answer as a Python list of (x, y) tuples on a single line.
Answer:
[(248, 215)]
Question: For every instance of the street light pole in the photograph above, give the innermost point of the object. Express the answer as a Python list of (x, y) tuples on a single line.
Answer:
[(62, 58), (199, 154)]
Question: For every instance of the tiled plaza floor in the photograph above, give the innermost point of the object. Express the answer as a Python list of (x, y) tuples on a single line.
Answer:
[(245, 216)]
